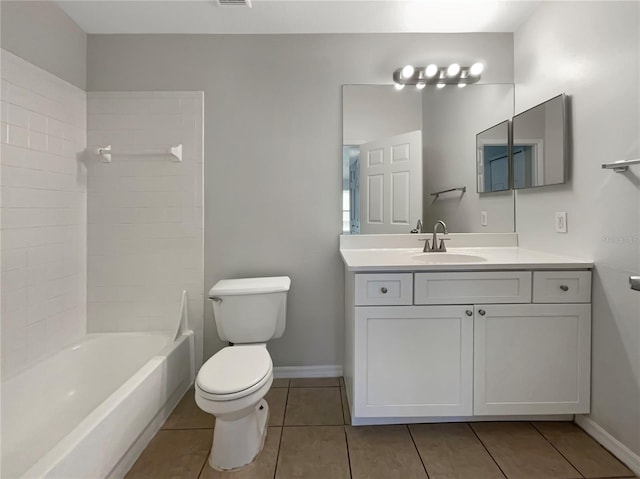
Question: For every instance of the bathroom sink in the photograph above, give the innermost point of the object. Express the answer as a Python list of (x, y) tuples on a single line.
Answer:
[(448, 258)]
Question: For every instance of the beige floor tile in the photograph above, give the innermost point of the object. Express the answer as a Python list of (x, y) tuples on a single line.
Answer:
[(187, 415), (314, 382), (586, 455), (346, 414), (264, 467), (522, 452), (318, 452), (452, 451), (384, 452), (280, 383), (172, 454), (277, 400), (313, 406)]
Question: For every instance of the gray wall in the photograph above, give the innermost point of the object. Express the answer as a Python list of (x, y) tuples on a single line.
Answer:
[(273, 135), (572, 48), (42, 34), (373, 112), (451, 120)]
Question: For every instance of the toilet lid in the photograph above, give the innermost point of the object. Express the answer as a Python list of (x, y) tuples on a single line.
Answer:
[(234, 369)]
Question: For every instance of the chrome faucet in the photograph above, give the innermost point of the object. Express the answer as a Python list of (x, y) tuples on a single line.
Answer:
[(418, 228), (433, 247)]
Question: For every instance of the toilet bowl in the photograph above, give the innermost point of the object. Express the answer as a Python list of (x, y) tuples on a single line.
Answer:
[(231, 385)]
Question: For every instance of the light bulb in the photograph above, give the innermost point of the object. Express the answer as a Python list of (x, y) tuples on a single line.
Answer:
[(476, 69), (453, 70), (431, 71), (462, 85), (399, 86), (440, 85), (407, 71), (420, 85)]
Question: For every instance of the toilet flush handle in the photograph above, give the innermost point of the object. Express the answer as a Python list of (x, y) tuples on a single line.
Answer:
[(216, 299)]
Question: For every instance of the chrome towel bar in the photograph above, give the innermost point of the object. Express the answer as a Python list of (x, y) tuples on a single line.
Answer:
[(620, 166), (459, 188)]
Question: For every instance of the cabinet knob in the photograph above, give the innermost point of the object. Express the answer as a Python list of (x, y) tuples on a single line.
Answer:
[(482, 312), (564, 287), (469, 312), (384, 290)]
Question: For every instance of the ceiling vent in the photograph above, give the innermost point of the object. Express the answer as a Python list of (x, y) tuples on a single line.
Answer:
[(234, 3)]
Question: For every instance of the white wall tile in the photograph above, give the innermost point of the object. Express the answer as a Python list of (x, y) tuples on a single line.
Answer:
[(37, 141), (16, 115), (17, 136), (37, 122), (43, 201), (145, 228)]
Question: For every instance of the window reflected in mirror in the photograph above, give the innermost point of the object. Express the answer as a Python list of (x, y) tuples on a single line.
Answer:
[(492, 157)]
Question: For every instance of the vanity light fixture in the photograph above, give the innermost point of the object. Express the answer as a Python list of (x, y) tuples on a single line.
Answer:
[(453, 70), (407, 71), (453, 74)]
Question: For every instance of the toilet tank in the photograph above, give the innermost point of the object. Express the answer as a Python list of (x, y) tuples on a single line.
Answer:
[(250, 310)]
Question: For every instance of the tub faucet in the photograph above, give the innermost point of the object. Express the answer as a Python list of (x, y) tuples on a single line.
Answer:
[(418, 228), (434, 248)]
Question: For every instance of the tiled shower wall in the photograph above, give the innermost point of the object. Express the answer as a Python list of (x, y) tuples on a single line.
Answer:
[(43, 210), (145, 231)]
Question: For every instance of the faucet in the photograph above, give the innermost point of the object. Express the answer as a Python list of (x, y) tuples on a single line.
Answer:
[(434, 248), (418, 228)]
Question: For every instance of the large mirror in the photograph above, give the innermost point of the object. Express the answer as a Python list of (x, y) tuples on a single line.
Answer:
[(540, 145), (411, 154)]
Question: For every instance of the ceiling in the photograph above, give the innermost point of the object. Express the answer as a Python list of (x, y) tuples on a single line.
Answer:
[(299, 16)]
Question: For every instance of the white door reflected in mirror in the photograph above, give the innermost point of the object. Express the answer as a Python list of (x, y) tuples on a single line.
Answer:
[(391, 183)]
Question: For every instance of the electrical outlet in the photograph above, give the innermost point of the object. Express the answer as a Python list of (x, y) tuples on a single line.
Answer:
[(483, 218), (561, 221)]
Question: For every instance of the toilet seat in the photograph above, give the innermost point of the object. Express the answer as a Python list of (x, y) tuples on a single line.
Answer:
[(234, 372)]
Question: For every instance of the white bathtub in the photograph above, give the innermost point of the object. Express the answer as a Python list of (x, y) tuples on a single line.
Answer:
[(89, 410)]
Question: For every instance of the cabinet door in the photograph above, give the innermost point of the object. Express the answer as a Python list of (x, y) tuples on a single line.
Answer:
[(413, 361), (532, 359)]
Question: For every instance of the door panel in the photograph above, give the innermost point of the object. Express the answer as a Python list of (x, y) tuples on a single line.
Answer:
[(417, 361), (532, 359), (391, 180)]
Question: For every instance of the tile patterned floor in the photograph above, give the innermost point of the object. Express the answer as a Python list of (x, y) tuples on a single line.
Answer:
[(309, 437)]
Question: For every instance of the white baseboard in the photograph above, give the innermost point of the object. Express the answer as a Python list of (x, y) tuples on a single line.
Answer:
[(615, 447), (328, 371)]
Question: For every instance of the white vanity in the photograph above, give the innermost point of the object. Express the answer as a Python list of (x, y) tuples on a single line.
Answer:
[(488, 329)]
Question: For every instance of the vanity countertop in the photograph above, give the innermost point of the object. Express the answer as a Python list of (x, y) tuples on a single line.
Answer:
[(456, 259)]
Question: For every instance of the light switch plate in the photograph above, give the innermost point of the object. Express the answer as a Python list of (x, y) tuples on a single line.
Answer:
[(483, 218)]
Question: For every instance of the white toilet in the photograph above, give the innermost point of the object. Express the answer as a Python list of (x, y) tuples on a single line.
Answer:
[(231, 385)]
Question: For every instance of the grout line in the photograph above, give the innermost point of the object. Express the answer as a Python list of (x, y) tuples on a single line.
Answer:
[(486, 449), (204, 464), (344, 422), (346, 442), (187, 429), (312, 387), (346, 399), (284, 415), (317, 425), (556, 449), (424, 466)]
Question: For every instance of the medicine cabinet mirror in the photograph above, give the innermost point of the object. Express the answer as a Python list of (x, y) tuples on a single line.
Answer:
[(540, 145)]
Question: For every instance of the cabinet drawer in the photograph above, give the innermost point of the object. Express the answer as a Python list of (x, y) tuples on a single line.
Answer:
[(473, 287), (562, 286), (384, 289)]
